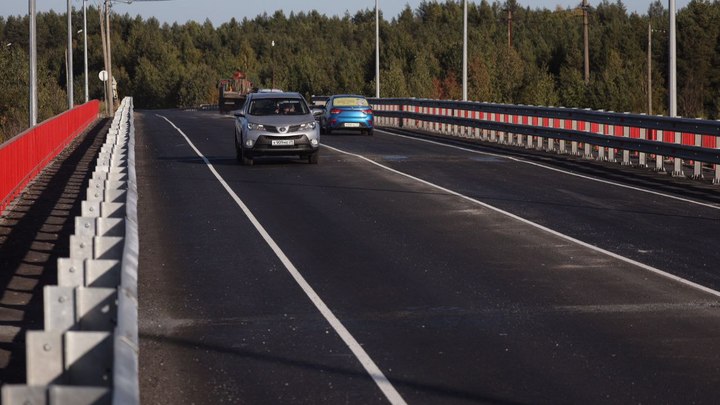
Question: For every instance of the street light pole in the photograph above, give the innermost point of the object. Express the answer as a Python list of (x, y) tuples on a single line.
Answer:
[(377, 49), (272, 61), (649, 69), (586, 41), (110, 96), (673, 66), (69, 65), (33, 113), (87, 93), (465, 52), (677, 164)]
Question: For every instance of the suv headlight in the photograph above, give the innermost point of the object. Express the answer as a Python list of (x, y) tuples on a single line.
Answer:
[(308, 125), (255, 127)]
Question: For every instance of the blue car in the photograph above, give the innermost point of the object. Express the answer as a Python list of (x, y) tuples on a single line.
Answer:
[(347, 112)]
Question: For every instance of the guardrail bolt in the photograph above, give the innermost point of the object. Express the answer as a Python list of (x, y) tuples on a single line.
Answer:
[(62, 299), (72, 270), (47, 347)]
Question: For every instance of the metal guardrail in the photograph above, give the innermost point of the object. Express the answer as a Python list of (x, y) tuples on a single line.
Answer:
[(23, 156), (88, 350), (591, 134), (675, 124)]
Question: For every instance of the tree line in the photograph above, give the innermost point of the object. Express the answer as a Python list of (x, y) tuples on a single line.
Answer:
[(539, 61)]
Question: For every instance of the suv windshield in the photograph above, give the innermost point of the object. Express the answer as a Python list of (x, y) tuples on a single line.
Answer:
[(278, 106)]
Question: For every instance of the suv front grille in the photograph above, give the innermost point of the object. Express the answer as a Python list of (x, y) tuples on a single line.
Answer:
[(276, 130)]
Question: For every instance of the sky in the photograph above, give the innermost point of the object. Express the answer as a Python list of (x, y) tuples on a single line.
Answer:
[(220, 11)]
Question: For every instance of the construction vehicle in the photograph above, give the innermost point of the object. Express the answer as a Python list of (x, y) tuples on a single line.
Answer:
[(232, 92)]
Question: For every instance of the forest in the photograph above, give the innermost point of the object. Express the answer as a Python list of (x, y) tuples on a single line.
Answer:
[(539, 61)]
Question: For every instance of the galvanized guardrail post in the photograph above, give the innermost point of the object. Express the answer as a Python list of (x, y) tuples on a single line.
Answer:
[(88, 350)]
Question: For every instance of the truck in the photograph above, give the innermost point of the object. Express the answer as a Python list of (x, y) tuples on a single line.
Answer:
[(232, 92)]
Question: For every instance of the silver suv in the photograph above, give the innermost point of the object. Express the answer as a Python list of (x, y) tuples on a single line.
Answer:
[(276, 124)]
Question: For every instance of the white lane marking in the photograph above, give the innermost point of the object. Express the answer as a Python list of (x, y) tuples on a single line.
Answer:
[(372, 369), (713, 206), (536, 225)]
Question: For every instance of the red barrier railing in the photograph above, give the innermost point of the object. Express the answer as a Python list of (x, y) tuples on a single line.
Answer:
[(25, 155)]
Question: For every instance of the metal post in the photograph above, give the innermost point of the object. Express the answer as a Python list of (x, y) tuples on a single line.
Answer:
[(649, 69), (465, 51), (586, 41), (70, 78), (677, 169), (673, 66), (110, 99), (33, 113), (377, 49), (104, 48), (87, 93), (272, 61)]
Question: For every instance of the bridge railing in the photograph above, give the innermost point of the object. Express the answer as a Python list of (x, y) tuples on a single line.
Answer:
[(643, 140), (25, 155), (87, 352)]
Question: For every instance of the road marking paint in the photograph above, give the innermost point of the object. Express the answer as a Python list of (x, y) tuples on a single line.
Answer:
[(536, 225), (370, 367), (687, 200)]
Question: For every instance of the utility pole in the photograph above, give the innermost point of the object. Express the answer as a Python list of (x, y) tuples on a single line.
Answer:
[(33, 106), (509, 27), (586, 41)]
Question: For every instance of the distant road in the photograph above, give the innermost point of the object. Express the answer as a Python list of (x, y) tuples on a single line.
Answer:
[(403, 270)]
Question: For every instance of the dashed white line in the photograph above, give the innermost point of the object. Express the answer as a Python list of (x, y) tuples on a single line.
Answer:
[(535, 225), (370, 367), (674, 197)]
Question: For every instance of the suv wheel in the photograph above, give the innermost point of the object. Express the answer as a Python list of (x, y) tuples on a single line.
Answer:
[(313, 158)]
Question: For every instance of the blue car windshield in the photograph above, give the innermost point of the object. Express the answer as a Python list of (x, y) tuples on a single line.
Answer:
[(278, 106)]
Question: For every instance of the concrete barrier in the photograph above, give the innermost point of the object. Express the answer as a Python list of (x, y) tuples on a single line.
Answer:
[(87, 352)]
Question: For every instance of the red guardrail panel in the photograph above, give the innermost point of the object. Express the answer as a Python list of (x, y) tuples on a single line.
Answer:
[(668, 136), (25, 155)]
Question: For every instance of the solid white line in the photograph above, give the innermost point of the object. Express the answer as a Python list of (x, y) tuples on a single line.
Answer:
[(536, 225), (713, 206), (372, 369)]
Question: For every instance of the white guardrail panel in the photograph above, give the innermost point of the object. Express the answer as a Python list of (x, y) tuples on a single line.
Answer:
[(87, 352)]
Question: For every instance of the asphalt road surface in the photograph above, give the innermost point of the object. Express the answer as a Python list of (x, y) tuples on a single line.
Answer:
[(406, 270)]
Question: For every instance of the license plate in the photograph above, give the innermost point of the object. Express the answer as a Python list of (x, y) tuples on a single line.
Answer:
[(283, 142), (352, 125)]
